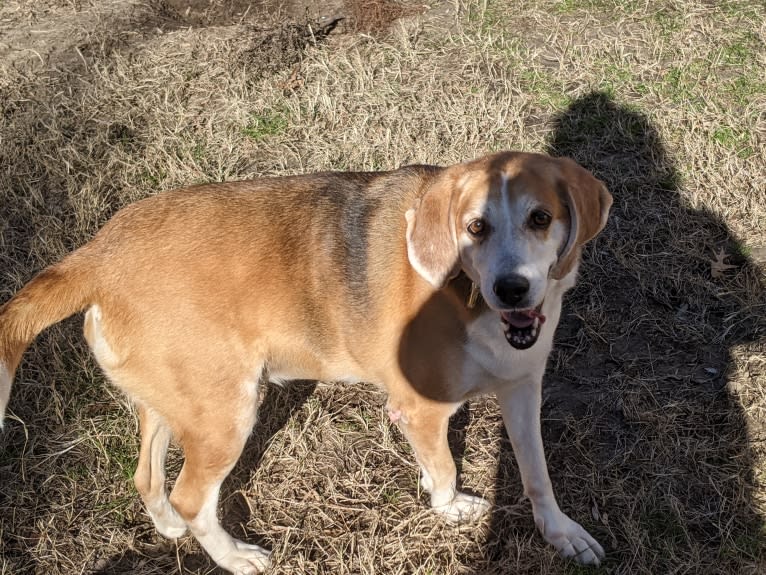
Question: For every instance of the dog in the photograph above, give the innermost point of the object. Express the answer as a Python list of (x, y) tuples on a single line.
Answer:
[(437, 283)]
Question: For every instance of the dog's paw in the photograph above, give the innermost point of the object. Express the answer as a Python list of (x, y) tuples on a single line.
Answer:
[(569, 538), (463, 508), (245, 559), (167, 522)]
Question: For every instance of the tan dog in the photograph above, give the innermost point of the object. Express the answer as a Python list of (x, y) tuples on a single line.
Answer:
[(417, 280)]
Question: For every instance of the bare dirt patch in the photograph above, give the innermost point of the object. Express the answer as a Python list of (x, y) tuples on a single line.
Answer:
[(376, 16)]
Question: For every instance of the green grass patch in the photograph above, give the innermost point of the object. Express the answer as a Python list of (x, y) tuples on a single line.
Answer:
[(669, 21), (117, 507), (734, 139), (151, 179), (77, 471), (391, 495), (547, 92), (746, 9), (124, 457), (616, 79), (490, 18), (568, 6), (266, 124), (741, 51), (678, 86), (349, 426), (743, 250), (745, 88)]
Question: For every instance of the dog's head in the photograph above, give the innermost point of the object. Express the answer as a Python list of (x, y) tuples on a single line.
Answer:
[(513, 222)]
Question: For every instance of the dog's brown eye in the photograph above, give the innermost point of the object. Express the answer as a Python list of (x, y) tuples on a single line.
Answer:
[(540, 219), (477, 227)]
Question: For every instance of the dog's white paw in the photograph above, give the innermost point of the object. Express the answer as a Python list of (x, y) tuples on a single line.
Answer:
[(569, 538), (167, 522), (245, 559), (463, 508)]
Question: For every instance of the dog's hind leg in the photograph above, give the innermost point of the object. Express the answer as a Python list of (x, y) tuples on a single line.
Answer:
[(155, 434), (212, 444), (150, 474)]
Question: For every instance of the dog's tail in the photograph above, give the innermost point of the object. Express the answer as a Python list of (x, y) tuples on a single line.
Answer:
[(53, 295)]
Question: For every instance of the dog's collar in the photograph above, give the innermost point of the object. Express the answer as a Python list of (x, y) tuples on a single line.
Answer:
[(473, 296)]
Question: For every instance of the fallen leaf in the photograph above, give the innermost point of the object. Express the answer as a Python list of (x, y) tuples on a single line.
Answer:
[(718, 265)]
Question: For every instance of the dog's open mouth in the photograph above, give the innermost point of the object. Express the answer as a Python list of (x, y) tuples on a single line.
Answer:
[(522, 327)]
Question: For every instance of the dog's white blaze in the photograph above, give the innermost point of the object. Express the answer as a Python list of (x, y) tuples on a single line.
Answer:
[(528, 270), (5, 390), (514, 248), (528, 256), (505, 200)]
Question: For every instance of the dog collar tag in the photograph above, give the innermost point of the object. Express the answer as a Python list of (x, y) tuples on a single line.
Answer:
[(473, 297)]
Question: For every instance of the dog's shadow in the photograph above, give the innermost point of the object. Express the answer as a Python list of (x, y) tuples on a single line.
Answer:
[(645, 432)]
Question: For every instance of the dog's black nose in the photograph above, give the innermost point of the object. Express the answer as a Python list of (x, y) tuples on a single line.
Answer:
[(511, 289)]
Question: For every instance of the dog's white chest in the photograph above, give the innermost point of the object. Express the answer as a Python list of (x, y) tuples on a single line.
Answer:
[(490, 354)]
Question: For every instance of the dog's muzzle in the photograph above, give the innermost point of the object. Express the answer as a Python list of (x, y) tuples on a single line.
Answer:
[(522, 327)]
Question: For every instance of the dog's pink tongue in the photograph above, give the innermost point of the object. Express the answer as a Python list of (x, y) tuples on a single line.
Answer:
[(522, 319)]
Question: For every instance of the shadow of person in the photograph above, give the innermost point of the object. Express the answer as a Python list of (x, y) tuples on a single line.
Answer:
[(643, 421)]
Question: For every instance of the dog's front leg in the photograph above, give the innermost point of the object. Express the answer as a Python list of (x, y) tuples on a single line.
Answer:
[(425, 424), (520, 403)]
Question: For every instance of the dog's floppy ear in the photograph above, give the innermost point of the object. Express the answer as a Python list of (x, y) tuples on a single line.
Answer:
[(431, 243), (588, 202)]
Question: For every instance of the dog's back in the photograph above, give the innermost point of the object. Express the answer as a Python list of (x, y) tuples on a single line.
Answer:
[(304, 255)]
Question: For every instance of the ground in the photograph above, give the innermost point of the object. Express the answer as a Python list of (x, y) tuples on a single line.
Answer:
[(654, 399)]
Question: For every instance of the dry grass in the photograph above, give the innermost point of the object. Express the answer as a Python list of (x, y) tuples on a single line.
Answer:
[(655, 409)]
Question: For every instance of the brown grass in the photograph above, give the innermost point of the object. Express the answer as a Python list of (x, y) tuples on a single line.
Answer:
[(654, 413)]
